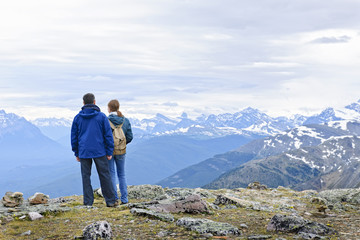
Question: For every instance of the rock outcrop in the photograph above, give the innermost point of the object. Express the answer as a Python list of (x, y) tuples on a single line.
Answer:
[(38, 198), (207, 226), (191, 204), (12, 199), (257, 186), (297, 224), (152, 214)]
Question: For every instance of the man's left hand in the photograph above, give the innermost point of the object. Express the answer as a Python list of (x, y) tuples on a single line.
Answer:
[(109, 157)]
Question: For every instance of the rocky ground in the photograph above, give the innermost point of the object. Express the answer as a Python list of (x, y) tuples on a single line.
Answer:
[(158, 213)]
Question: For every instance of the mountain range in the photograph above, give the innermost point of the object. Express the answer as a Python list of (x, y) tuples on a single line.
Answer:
[(334, 163), (171, 151)]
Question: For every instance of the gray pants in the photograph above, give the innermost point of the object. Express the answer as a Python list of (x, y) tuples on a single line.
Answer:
[(102, 167)]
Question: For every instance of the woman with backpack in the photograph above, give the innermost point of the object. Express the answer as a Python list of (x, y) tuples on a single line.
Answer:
[(122, 134)]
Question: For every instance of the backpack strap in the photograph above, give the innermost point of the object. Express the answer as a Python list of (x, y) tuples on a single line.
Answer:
[(113, 126)]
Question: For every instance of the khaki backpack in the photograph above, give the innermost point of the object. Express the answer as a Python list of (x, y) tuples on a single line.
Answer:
[(119, 139)]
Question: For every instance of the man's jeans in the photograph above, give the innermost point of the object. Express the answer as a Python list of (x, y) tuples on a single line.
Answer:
[(119, 161), (102, 167)]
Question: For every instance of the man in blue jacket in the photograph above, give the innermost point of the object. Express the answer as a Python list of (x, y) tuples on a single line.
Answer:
[(92, 139)]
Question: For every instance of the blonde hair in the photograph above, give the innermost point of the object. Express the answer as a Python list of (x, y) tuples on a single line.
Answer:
[(114, 106)]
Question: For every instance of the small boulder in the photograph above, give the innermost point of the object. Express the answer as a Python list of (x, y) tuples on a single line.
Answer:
[(204, 226), (12, 199), (38, 198), (145, 191), (35, 216), (27, 233), (297, 224), (97, 230), (190, 204), (148, 213), (257, 186)]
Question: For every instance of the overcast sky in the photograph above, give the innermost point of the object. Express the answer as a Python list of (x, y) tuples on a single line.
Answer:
[(170, 56)]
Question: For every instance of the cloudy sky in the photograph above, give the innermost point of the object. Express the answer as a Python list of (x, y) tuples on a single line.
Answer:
[(169, 56)]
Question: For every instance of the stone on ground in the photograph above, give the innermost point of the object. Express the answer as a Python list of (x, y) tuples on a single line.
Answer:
[(38, 198), (297, 224), (203, 226), (12, 199), (97, 230), (190, 204)]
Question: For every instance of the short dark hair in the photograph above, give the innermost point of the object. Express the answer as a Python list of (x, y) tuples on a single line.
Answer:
[(89, 98)]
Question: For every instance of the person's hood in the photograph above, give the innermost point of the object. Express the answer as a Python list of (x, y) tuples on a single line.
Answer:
[(89, 111), (115, 119)]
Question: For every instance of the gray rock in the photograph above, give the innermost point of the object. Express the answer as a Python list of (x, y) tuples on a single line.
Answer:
[(213, 206), (145, 191), (257, 186), (207, 235), (60, 200), (203, 226), (185, 192), (162, 234), (148, 213), (259, 237), (27, 233), (351, 195), (35, 216), (143, 205), (243, 225), (190, 204), (38, 198), (297, 224), (97, 230), (310, 236), (318, 200), (12, 199)]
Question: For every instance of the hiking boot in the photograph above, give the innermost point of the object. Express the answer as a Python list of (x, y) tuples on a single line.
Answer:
[(115, 204)]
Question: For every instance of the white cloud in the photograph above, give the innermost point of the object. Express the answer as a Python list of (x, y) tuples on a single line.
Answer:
[(201, 55)]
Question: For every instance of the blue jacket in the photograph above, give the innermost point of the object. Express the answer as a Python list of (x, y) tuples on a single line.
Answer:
[(91, 134), (126, 127)]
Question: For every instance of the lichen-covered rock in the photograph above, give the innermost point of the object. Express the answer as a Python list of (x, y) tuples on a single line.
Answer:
[(190, 204), (12, 199), (297, 224), (235, 201), (38, 198), (35, 216), (259, 237), (97, 230), (310, 236), (207, 226), (257, 186), (318, 200), (148, 213), (351, 195), (185, 192), (145, 191)]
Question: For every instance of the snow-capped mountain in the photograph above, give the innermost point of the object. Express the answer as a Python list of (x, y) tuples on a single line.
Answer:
[(10, 124), (54, 128), (303, 136), (53, 122), (17, 135), (333, 164), (248, 122)]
